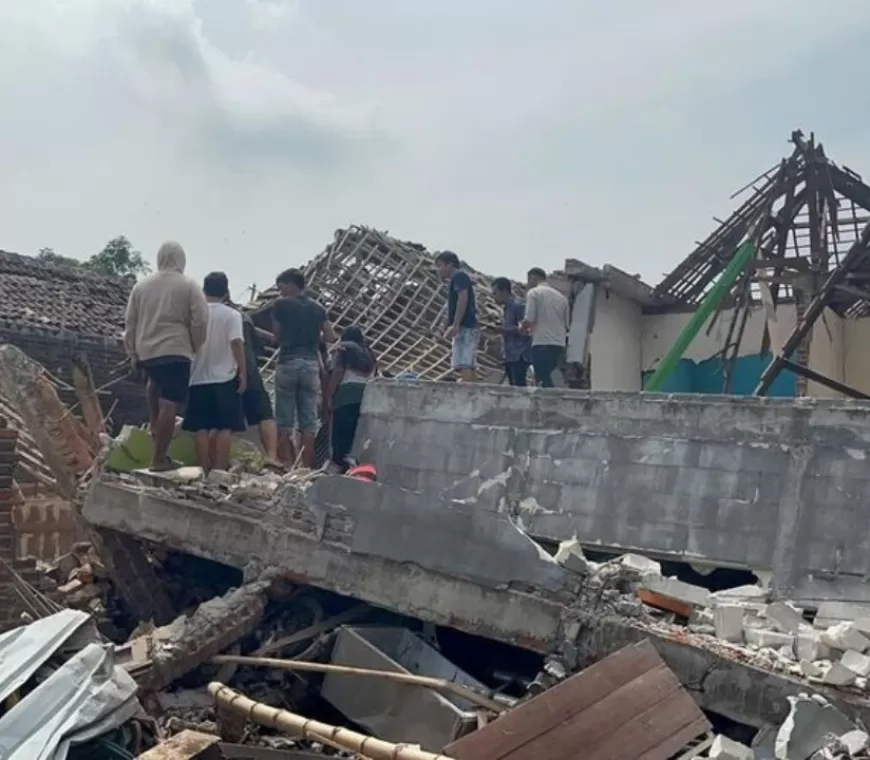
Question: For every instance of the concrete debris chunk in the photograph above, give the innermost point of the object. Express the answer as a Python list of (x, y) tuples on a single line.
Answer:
[(644, 566), (807, 727), (724, 748), (855, 742), (784, 617), (570, 556), (741, 593), (838, 675), (845, 636), (671, 588), (858, 663), (764, 638), (728, 622), (810, 669), (809, 646)]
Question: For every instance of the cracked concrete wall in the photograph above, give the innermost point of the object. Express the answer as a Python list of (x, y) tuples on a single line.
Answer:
[(772, 485), (299, 541)]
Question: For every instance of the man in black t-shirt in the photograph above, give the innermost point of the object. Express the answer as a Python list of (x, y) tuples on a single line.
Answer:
[(300, 323), (462, 327)]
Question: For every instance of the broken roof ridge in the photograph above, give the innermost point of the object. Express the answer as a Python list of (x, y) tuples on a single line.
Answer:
[(778, 216)]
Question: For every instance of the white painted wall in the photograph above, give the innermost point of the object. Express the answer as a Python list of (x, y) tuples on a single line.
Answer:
[(856, 353), (827, 354), (615, 344), (660, 331)]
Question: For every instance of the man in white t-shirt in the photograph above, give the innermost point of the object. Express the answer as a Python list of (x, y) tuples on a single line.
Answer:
[(217, 379), (546, 320)]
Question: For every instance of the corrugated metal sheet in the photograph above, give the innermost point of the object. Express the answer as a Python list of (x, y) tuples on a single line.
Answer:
[(85, 697), (629, 706)]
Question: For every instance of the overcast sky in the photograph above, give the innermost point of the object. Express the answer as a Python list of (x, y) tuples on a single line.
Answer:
[(515, 133)]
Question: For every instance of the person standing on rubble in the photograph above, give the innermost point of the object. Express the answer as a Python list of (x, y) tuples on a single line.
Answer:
[(517, 346), (300, 324), (546, 320), (353, 365), (462, 327), (165, 325), (218, 379), (256, 403)]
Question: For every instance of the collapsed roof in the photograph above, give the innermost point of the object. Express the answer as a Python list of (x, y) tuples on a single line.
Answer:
[(803, 214), (390, 289), (40, 294)]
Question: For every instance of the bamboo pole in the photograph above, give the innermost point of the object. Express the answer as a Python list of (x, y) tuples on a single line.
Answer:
[(436, 684), (290, 723)]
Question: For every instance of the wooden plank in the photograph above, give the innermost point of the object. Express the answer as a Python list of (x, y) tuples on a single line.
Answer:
[(604, 722), (557, 705), (618, 709), (188, 745), (656, 734)]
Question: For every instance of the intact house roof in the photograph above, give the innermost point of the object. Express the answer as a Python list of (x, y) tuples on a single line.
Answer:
[(389, 288), (38, 294)]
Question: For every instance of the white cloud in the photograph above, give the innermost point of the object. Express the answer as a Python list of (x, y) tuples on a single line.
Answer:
[(502, 129)]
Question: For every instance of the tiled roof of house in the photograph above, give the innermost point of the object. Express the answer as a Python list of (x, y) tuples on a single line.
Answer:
[(58, 297)]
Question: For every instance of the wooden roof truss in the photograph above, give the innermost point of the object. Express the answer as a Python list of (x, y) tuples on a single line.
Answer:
[(805, 217)]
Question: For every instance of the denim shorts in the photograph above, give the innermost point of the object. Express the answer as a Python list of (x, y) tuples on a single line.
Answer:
[(297, 386), (465, 348)]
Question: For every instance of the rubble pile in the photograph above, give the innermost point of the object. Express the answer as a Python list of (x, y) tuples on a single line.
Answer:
[(81, 582)]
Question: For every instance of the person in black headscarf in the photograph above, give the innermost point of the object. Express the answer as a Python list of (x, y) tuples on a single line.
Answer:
[(353, 365)]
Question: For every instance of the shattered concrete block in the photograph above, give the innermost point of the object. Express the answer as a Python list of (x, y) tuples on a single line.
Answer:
[(809, 646), (728, 622), (570, 556), (724, 748), (855, 741), (838, 675), (845, 636), (784, 617), (694, 596), (807, 727), (643, 566), (858, 663), (810, 669), (741, 593), (764, 638)]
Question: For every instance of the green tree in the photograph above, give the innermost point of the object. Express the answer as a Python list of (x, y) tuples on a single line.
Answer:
[(118, 258), (50, 256)]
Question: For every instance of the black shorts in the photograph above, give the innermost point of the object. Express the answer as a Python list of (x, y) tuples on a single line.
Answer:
[(214, 406), (171, 375), (256, 403)]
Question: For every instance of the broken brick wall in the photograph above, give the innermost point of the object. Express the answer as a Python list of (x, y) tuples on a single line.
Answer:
[(45, 527), (9, 497), (54, 350)]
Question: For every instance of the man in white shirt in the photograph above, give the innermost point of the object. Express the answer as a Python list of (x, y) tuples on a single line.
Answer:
[(547, 314), (217, 380)]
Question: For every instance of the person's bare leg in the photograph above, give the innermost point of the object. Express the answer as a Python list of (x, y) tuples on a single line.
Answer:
[(308, 450), (202, 441), (286, 448), (152, 393), (162, 433), (269, 440), (222, 442)]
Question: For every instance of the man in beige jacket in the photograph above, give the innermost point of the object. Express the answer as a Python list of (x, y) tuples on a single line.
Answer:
[(166, 323)]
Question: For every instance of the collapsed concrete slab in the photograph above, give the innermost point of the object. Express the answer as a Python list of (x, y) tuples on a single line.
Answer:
[(771, 485), (443, 563), (317, 540)]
